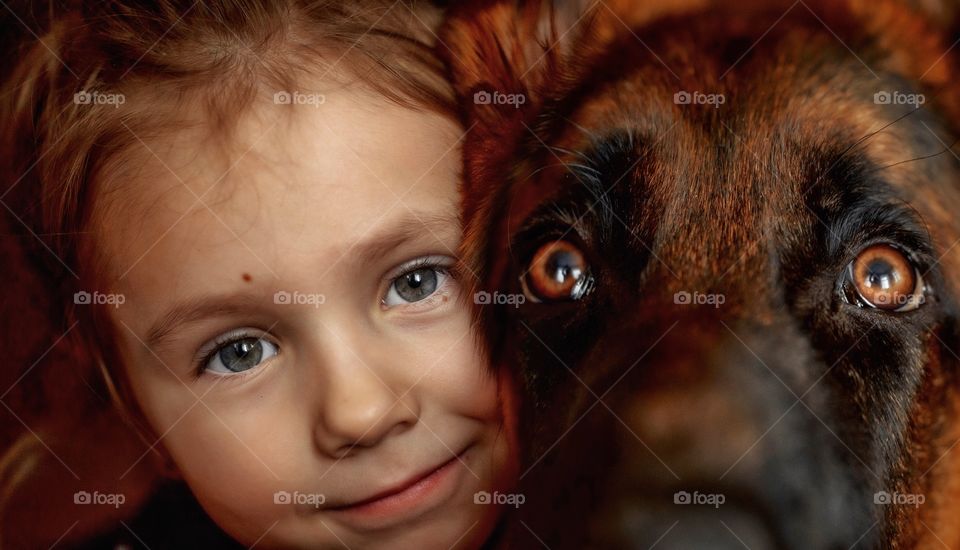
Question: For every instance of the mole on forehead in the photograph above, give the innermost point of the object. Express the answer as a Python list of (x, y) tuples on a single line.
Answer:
[(246, 277)]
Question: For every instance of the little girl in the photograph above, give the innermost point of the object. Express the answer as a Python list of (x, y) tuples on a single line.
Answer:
[(254, 209)]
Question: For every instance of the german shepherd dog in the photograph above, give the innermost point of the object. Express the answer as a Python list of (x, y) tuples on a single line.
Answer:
[(718, 244)]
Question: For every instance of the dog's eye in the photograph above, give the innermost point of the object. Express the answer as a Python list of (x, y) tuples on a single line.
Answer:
[(883, 277), (557, 272)]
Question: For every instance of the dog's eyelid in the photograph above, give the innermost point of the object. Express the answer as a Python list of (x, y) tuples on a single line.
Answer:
[(555, 220), (913, 245), (861, 225)]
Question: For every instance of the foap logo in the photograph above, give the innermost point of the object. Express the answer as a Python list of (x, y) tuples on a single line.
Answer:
[(698, 498), (684, 298), (84, 298), (884, 498), (484, 97), (510, 499), (103, 499), (299, 98), (93, 97), (899, 300), (699, 98), (898, 98), (282, 297), (484, 298), (300, 499)]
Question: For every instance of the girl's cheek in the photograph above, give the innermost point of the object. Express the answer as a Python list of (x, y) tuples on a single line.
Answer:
[(467, 383), (227, 470), (238, 447)]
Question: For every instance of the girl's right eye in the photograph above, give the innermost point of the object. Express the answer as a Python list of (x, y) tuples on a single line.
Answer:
[(415, 286), (238, 355), (418, 280)]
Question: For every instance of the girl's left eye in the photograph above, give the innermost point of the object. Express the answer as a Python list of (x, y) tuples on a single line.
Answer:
[(416, 283), (239, 355)]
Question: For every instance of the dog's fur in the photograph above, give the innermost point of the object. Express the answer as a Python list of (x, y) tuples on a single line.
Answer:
[(796, 405)]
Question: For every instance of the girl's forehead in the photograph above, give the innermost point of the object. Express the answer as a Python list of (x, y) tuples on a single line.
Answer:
[(294, 177)]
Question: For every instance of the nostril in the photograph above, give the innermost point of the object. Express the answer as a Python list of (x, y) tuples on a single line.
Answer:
[(349, 426)]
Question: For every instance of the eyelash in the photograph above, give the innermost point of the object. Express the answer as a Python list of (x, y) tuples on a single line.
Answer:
[(424, 262), (419, 263), (206, 354)]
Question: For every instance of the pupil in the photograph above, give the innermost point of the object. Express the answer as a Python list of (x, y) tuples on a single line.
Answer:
[(880, 273), (563, 265), (417, 285), (242, 355)]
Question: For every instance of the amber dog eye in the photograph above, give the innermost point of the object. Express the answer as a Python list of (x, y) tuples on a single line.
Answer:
[(884, 278), (557, 272)]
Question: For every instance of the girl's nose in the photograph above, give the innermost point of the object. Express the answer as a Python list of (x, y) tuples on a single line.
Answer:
[(362, 408)]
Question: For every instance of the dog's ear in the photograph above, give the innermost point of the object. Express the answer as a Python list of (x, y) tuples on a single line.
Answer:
[(509, 46), (917, 34), (499, 54), (508, 57), (943, 12), (537, 45)]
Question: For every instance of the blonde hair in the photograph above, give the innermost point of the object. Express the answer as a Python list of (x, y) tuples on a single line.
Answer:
[(55, 146)]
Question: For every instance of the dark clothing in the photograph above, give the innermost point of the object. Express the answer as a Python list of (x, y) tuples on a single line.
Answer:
[(171, 519)]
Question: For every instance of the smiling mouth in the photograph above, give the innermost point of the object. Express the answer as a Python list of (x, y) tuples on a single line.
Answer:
[(412, 497)]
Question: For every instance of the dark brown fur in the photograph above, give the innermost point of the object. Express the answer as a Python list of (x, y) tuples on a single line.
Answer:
[(629, 397)]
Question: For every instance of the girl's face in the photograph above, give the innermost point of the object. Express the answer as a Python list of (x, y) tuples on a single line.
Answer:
[(292, 332)]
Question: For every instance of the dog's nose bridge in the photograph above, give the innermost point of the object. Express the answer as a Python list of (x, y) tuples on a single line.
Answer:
[(727, 277), (716, 384), (713, 232), (694, 334), (704, 334)]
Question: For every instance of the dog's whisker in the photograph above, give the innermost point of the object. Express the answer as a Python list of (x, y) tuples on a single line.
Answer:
[(583, 168), (577, 169), (590, 134), (862, 141), (547, 167), (576, 154), (923, 157)]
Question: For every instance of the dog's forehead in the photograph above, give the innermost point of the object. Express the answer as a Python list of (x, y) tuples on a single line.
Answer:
[(766, 134), (767, 125), (729, 160)]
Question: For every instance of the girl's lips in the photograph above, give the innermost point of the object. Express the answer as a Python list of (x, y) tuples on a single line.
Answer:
[(418, 495)]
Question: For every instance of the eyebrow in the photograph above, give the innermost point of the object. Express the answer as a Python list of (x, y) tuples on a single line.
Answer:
[(406, 229), (853, 203), (193, 310), (589, 203)]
